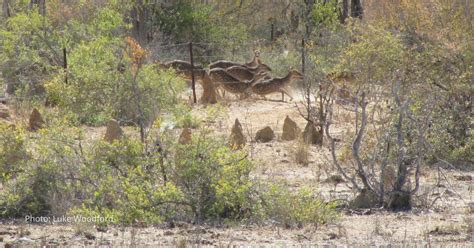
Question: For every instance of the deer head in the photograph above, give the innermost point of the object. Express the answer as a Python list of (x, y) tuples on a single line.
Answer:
[(296, 74), (256, 53)]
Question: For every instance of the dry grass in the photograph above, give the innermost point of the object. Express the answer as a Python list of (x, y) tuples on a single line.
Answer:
[(180, 243), (23, 231), (469, 225), (470, 230), (379, 230), (133, 237), (444, 230), (470, 209), (84, 229), (301, 152), (343, 115), (20, 111)]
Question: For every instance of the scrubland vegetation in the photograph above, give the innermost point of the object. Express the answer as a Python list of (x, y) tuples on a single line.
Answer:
[(388, 85)]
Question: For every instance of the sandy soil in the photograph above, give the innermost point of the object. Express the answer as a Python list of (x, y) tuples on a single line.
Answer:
[(443, 224)]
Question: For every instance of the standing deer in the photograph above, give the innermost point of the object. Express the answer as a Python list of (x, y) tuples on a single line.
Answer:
[(273, 85), (231, 84), (183, 68), (226, 64)]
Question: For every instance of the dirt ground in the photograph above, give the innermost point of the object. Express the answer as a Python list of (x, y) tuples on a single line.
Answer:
[(445, 222)]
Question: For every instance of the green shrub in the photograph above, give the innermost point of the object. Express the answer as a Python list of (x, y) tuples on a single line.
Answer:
[(56, 171), (214, 180), (103, 78), (296, 208), (200, 23), (184, 118), (125, 184), (325, 13), (465, 153), (98, 93), (12, 151), (38, 181)]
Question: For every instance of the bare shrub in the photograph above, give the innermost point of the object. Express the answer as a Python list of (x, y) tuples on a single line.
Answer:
[(301, 152)]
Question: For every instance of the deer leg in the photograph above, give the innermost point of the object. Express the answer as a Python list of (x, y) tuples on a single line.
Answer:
[(244, 96), (219, 95), (284, 91), (220, 91)]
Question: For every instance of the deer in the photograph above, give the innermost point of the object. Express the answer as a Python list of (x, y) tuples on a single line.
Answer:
[(223, 64), (273, 85), (344, 76), (231, 84), (247, 73), (341, 80), (242, 73), (256, 59), (178, 65), (226, 64), (184, 69)]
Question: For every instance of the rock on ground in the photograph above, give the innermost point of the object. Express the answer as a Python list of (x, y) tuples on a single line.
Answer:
[(399, 200), (365, 199), (185, 137), (237, 139), (4, 112), (291, 131), (311, 135), (36, 120), (264, 135), (209, 95), (113, 131)]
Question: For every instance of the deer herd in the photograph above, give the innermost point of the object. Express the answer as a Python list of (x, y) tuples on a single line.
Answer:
[(236, 78)]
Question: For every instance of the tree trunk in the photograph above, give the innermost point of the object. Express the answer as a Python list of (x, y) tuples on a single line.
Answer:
[(32, 3), (345, 11), (139, 16), (6, 8), (307, 16), (41, 6), (356, 9)]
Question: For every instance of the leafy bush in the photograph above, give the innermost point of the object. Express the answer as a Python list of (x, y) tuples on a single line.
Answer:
[(59, 173), (32, 44), (104, 79), (374, 58), (325, 13), (55, 172), (125, 184), (12, 150), (184, 118), (214, 180), (97, 93), (296, 208), (38, 182), (186, 21)]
